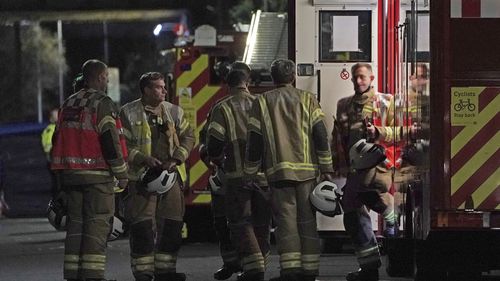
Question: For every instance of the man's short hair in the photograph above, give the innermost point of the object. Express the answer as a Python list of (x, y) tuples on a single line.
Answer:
[(239, 65), (147, 77), (92, 68), (283, 71), (360, 65), (237, 77)]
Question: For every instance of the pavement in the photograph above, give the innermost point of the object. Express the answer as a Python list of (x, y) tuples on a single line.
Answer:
[(30, 249)]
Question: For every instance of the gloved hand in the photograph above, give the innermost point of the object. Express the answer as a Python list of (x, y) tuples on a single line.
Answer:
[(169, 165), (152, 162), (326, 177), (122, 183)]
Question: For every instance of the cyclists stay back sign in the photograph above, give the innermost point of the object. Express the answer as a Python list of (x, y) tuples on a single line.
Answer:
[(464, 105)]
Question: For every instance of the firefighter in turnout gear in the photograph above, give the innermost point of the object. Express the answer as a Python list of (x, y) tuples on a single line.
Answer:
[(365, 115), (247, 206), (89, 154), (288, 141), (218, 204), (158, 137)]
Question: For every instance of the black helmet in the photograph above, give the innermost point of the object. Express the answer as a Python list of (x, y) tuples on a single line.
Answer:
[(365, 155)]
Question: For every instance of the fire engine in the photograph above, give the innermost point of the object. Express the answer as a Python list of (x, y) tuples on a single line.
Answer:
[(451, 219)]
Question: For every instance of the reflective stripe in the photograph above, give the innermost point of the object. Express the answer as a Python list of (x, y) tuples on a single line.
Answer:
[(367, 252), (71, 258), (165, 261), (217, 127), (79, 161), (305, 102), (94, 258), (132, 154), (292, 166), (310, 262), (253, 262), (251, 168), (143, 264), (71, 266), (232, 136), (324, 160), (184, 126), (182, 151), (317, 116), (119, 169), (290, 260), (107, 119), (93, 266), (253, 122), (269, 128)]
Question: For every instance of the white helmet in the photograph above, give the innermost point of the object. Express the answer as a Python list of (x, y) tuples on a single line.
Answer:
[(325, 198), (157, 180), (117, 230), (365, 155), (215, 182), (57, 214)]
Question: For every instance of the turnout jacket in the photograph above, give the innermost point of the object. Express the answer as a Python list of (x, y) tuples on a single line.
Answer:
[(161, 132), (88, 146), (287, 136), (228, 125)]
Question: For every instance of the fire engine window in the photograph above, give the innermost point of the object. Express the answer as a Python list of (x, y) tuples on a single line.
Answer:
[(345, 36), (421, 46)]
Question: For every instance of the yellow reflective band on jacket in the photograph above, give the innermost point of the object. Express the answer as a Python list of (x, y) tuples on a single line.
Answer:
[(268, 126), (104, 121), (217, 127), (292, 166), (367, 252), (305, 126), (317, 116), (119, 169), (324, 158), (184, 126), (232, 136), (254, 125)]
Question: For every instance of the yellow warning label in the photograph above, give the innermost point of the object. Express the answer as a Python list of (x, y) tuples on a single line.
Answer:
[(464, 105)]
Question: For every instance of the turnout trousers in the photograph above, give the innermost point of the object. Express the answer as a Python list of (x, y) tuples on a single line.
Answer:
[(366, 189), (249, 216), (90, 211), (226, 248), (155, 229), (296, 232)]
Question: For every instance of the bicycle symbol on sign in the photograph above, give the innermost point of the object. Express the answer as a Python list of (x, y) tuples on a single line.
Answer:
[(464, 104)]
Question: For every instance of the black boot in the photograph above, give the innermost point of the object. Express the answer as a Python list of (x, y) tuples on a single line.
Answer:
[(363, 275), (171, 276), (251, 276), (144, 277), (226, 271), (288, 277)]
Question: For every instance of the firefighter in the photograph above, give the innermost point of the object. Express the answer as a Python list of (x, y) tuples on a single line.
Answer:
[(90, 156), (365, 115), (247, 207), (231, 263), (46, 139), (288, 140), (158, 137)]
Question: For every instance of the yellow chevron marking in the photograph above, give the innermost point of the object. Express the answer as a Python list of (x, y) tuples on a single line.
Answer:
[(204, 95), (489, 112), (202, 198), (196, 171), (486, 188), (474, 163), (197, 132), (197, 67)]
